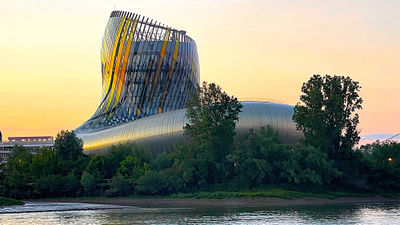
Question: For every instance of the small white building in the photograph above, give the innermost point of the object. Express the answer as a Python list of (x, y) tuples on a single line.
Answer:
[(33, 143)]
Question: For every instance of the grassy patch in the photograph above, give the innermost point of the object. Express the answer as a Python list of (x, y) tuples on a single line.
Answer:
[(270, 192), (9, 201), (265, 193)]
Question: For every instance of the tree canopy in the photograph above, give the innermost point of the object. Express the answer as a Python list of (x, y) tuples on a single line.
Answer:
[(68, 146), (212, 116), (326, 113)]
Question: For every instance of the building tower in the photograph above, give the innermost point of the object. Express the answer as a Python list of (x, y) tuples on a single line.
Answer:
[(147, 68)]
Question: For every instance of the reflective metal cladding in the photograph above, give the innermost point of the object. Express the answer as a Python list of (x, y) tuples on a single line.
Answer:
[(148, 70)]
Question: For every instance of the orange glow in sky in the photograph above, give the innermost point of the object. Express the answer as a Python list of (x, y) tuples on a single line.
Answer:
[(50, 75)]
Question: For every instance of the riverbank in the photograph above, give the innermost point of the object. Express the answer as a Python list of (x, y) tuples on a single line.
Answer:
[(243, 202), (9, 201), (265, 197)]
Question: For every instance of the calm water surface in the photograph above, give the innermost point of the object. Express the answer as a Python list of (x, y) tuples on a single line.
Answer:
[(77, 213)]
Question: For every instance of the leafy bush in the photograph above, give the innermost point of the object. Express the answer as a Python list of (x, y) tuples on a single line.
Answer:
[(385, 166), (119, 186)]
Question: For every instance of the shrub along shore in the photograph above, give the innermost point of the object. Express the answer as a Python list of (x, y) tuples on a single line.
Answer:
[(251, 198), (9, 202)]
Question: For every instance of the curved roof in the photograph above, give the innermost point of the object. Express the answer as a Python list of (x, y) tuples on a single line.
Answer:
[(163, 131)]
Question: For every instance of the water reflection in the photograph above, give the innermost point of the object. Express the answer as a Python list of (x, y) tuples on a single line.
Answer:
[(72, 213)]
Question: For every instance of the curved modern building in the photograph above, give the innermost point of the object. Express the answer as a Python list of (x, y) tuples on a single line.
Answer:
[(148, 70)]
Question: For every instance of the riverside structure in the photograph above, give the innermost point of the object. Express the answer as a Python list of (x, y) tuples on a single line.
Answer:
[(32, 143), (148, 70)]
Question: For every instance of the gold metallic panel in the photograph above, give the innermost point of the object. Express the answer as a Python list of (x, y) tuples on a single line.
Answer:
[(159, 63), (110, 64), (124, 64), (118, 61), (170, 74)]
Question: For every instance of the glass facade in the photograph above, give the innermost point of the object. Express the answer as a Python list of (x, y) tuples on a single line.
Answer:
[(148, 70)]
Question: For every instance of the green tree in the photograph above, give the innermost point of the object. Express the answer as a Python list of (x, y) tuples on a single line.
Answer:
[(212, 116), (151, 183), (43, 163), (117, 154), (20, 153), (48, 186), (309, 166), (68, 146), (19, 173), (97, 167), (186, 172), (326, 114), (136, 163), (119, 186), (258, 158), (385, 166), (133, 167), (2, 178), (68, 151), (71, 186), (88, 181)]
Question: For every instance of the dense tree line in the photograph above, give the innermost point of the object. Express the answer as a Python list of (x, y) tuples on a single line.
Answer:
[(215, 158), (257, 159)]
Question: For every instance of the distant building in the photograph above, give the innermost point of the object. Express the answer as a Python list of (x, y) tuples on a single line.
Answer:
[(32, 143)]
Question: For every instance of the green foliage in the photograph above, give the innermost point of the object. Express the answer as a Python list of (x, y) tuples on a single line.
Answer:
[(119, 186), (133, 167), (88, 181), (212, 116), (151, 183), (3, 182), (9, 201), (385, 166), (71, 186), (184, 173), (68, 146), (261, 159), (43, 163), (326, 114), (163, 161), (48, 186), (258, 158), (46, 173), (19, 176), (114, 158), (309, 166), (96, 167), (270, 192)]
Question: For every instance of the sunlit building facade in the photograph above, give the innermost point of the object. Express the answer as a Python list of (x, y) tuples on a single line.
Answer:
[(148, 70)]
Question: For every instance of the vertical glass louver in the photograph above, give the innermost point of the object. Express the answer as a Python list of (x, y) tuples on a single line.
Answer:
[(147, 68)]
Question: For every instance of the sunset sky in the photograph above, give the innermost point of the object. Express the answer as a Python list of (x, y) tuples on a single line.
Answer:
[(50, 75)]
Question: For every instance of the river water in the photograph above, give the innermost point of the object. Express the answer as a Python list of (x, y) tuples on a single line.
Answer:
[(81, 213)]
